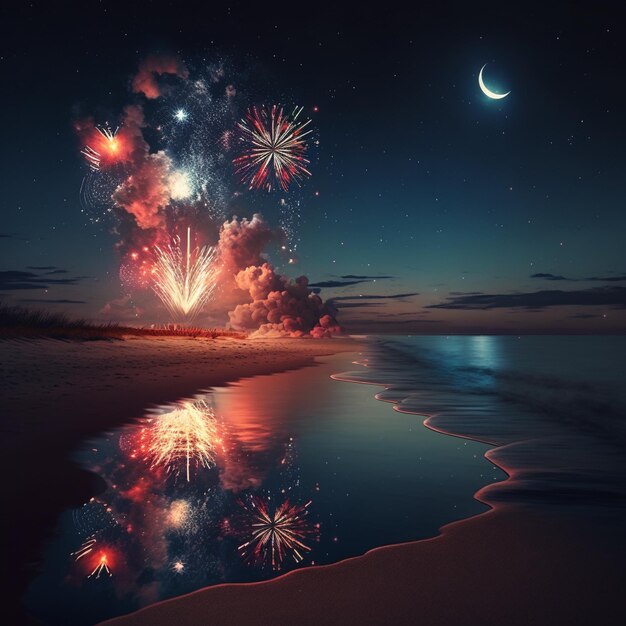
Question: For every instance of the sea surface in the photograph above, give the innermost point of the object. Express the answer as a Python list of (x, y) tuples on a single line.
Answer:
[(245, 482)]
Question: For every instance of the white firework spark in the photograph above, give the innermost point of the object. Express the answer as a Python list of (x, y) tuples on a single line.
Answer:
[(185, 281), (181, 185), (274, 148), (85, 549), (181, 115)]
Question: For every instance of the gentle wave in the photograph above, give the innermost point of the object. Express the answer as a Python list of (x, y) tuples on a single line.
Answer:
[(561, 438)]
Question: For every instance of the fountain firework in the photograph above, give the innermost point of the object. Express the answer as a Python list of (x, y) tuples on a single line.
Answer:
[(185, 281)]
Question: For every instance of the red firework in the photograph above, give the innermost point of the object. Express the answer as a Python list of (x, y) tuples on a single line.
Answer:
[(274, 148), (276, 534), (105, 147), (96, 559), (137, 268)]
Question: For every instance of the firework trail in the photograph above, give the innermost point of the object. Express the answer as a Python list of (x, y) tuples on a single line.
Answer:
[(185, 282), (290, 220), (274, 153), (101, 567), (186, 435), (276, 534), (100, 562), (85, 549)]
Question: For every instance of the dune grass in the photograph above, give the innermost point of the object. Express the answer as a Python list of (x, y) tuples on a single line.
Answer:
[(18, 322)]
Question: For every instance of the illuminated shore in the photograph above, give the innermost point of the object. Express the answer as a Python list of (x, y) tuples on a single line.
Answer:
[(502, 567), (536, 558), (59, 394)]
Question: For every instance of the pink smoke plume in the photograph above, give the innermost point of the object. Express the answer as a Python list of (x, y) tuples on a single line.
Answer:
[(145, 193), (242, 242), (133, 121), (128, 145), (279, 306), (145, 81), (146, 189)]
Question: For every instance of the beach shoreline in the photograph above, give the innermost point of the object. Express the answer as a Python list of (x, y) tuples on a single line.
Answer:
[(513, 564), (510, 565), (504, 566), (50, 407)]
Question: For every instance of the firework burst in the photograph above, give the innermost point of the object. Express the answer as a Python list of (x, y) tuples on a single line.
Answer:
[(102, 566), (184, 437), (274, 152), (185, 281), (105, 145), (276, 534), (98, 561)]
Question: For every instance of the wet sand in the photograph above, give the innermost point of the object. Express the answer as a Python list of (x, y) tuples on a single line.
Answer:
[(57, 394), (549, 552), (503, 567)]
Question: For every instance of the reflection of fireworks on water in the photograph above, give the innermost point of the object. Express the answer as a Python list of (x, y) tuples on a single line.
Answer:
[(277, 534), (185, 281), (99, 560), (102, 565), (186, 435), (182, 516), (94, 516), (274, 148), (178, 513), (85, 549)]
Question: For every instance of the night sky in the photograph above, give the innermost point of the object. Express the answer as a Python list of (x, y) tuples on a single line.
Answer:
[(430, 209)]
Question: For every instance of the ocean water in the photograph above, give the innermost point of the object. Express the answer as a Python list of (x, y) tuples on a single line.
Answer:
[(245, 482), (555, 407)]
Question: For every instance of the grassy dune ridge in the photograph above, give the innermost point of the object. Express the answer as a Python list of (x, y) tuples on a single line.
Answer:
[(18, 322)]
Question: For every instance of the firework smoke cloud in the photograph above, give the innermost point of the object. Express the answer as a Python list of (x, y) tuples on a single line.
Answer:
[(242, 242), (145, 193), (146, 81), (280, 306), (170, 164)]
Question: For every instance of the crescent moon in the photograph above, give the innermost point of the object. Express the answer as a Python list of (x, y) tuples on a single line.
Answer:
[(488, 92)]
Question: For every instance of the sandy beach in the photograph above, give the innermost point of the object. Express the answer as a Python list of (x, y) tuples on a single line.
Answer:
[(313, 317), (502, 567), (537, 557), (57, 394), (511, 565)]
